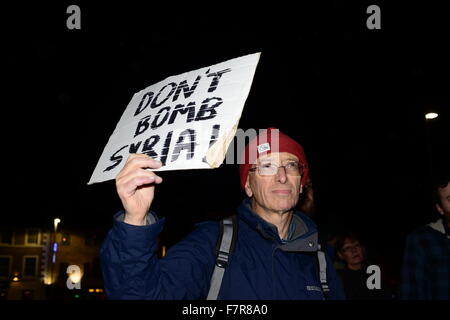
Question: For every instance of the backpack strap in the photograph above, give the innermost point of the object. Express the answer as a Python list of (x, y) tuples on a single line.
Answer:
[(323, 271), (224, 248)]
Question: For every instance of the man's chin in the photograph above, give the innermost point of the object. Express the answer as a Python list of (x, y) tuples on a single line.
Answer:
[(285, 208), (280, 207)]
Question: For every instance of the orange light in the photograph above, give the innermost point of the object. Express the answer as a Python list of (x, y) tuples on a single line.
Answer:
[(16, 276), (91, 290)]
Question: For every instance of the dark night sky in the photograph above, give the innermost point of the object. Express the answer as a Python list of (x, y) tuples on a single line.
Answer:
[(354, 98)]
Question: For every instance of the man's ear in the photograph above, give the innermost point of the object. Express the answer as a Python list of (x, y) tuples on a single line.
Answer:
[(301, 188), (248, 190), (340, 255), (439, 209)]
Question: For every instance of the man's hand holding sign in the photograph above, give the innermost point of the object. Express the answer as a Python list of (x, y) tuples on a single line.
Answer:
[(136, 187)]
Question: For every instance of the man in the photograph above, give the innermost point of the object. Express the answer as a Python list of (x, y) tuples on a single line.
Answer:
[(274, 255), (426, 263)]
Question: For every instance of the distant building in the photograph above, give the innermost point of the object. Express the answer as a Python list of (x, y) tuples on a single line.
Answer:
[(34, 266)]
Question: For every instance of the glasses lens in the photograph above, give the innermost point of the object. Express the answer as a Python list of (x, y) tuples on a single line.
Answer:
[(291, 168), (267, 169)]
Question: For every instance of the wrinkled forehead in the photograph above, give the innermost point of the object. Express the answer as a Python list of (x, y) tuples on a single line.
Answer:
[(277, 157)]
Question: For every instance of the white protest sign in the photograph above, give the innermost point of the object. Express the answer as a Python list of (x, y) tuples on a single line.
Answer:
[(185, 121)]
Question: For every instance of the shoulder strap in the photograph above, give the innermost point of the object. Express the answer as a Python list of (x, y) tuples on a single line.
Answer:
[(323, 271), (225, 246)]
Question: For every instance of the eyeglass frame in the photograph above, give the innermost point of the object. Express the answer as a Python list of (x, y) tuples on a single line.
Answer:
[(301, 168)]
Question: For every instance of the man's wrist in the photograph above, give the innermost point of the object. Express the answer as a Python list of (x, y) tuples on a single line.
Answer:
[(149, 219), (135, 221)]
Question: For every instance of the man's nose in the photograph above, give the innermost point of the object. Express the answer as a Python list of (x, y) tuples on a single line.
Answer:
[(281, 174)]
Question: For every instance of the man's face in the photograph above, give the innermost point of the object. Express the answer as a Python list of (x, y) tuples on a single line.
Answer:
[(444, 205), (277, 192), (352, 252)]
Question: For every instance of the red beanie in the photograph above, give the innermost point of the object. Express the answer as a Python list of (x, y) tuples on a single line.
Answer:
[(262, 145)]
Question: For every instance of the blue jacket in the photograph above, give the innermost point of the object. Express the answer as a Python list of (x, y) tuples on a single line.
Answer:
[(262, 266)]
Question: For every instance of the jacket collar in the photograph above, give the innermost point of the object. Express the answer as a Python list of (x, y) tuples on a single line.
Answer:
[(303, 238), (440, 226)]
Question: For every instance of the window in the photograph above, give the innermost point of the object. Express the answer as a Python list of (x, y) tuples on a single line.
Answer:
[(30, 266), (6, 236), (65, 239), (5, 264), (32, 236)]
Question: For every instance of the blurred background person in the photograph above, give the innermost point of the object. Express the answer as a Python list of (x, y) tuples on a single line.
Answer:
[(426, 261), (306, 203), (354, 274)]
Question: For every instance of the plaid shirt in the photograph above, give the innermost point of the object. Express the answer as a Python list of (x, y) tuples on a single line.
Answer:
[(426, 263)]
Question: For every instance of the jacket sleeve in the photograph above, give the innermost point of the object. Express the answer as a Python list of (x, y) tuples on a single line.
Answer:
[(132, 270), (413, 269)]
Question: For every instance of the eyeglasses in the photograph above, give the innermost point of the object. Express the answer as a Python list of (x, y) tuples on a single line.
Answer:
[(292, 168)]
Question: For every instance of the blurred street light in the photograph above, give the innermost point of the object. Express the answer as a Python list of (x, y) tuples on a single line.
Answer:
[(431, 115), (56, 221)]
